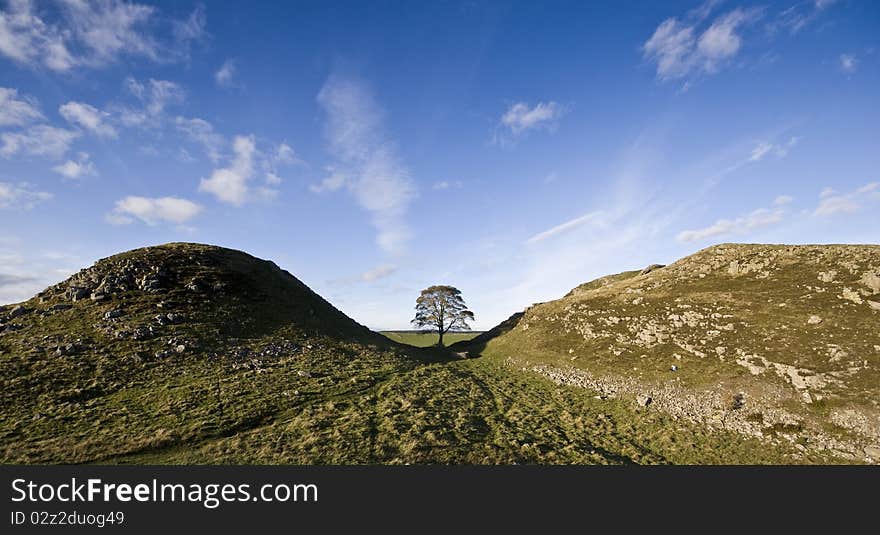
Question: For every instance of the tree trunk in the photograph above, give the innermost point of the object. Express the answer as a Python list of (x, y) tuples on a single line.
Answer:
[(440, 343)]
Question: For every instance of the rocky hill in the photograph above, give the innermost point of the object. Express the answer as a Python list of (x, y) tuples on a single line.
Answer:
[(781, 343), (187, 353), (87, 351)]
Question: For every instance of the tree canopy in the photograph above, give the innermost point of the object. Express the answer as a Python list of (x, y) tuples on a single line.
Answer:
[(442, 308)]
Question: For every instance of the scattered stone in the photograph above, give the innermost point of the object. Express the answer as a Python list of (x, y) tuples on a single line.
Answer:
[(67, 349), (827, 276), (195, 286), (873, 452), (143, 333), (872, 281), (303, 373), (851, 295), (115, 313), (814, 320), (643, 400), (77, 293), (169, 319), (651, 268), (99, 296), (17, 311)]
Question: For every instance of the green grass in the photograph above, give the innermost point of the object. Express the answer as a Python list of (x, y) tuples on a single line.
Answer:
[(423, 339), (335, 393)]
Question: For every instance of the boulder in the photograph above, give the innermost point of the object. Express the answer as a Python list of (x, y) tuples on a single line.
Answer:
[(76, 293), (17, 311)]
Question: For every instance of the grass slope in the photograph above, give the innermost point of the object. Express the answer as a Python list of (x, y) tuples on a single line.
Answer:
[(256, 368), (427, 339), (777, 342)]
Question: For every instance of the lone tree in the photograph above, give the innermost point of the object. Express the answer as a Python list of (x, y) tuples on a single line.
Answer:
[(442, 308)]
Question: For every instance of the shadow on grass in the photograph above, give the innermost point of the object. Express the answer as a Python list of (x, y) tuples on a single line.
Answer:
[(474, 347)]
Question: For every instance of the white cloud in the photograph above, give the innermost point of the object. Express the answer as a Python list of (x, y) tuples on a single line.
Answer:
[(230, 184), (800, 15), (760, 150), (89, 33), (367, 162), (225, 76), (759, 218), (332, 182), (153, 211), (848, 63), (378, 273), (78, 168), (782, 200), (88, 117), (17, 111), (592, 217), (780, 150), (520, 117), (284, 154), (202, 132), (21, 196), (679, 49), (156, 94), (272, 179), (446, 184), (832, 203), (38, 140)]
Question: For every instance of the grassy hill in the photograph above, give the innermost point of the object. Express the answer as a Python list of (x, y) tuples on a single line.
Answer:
[(187, 353), (779, 343), (428, 339)]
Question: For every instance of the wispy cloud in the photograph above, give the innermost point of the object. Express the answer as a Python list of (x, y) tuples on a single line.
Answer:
[(285, 155), (379, 272), (592, 217), (366, 160), (37, 140), (78, 168), (833, 203), (153, 211), (685, 48), (782, 200), (202, 132), (848, 63), (800, 15), (156, 94), (225, 75), (754, 220), (21, 196), (87, 117), (92, 33), (780, 150), (520, 117), (17, 111), (334, 180), (447, 184)]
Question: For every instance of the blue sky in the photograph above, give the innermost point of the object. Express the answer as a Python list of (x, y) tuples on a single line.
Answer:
[(512, 149)]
